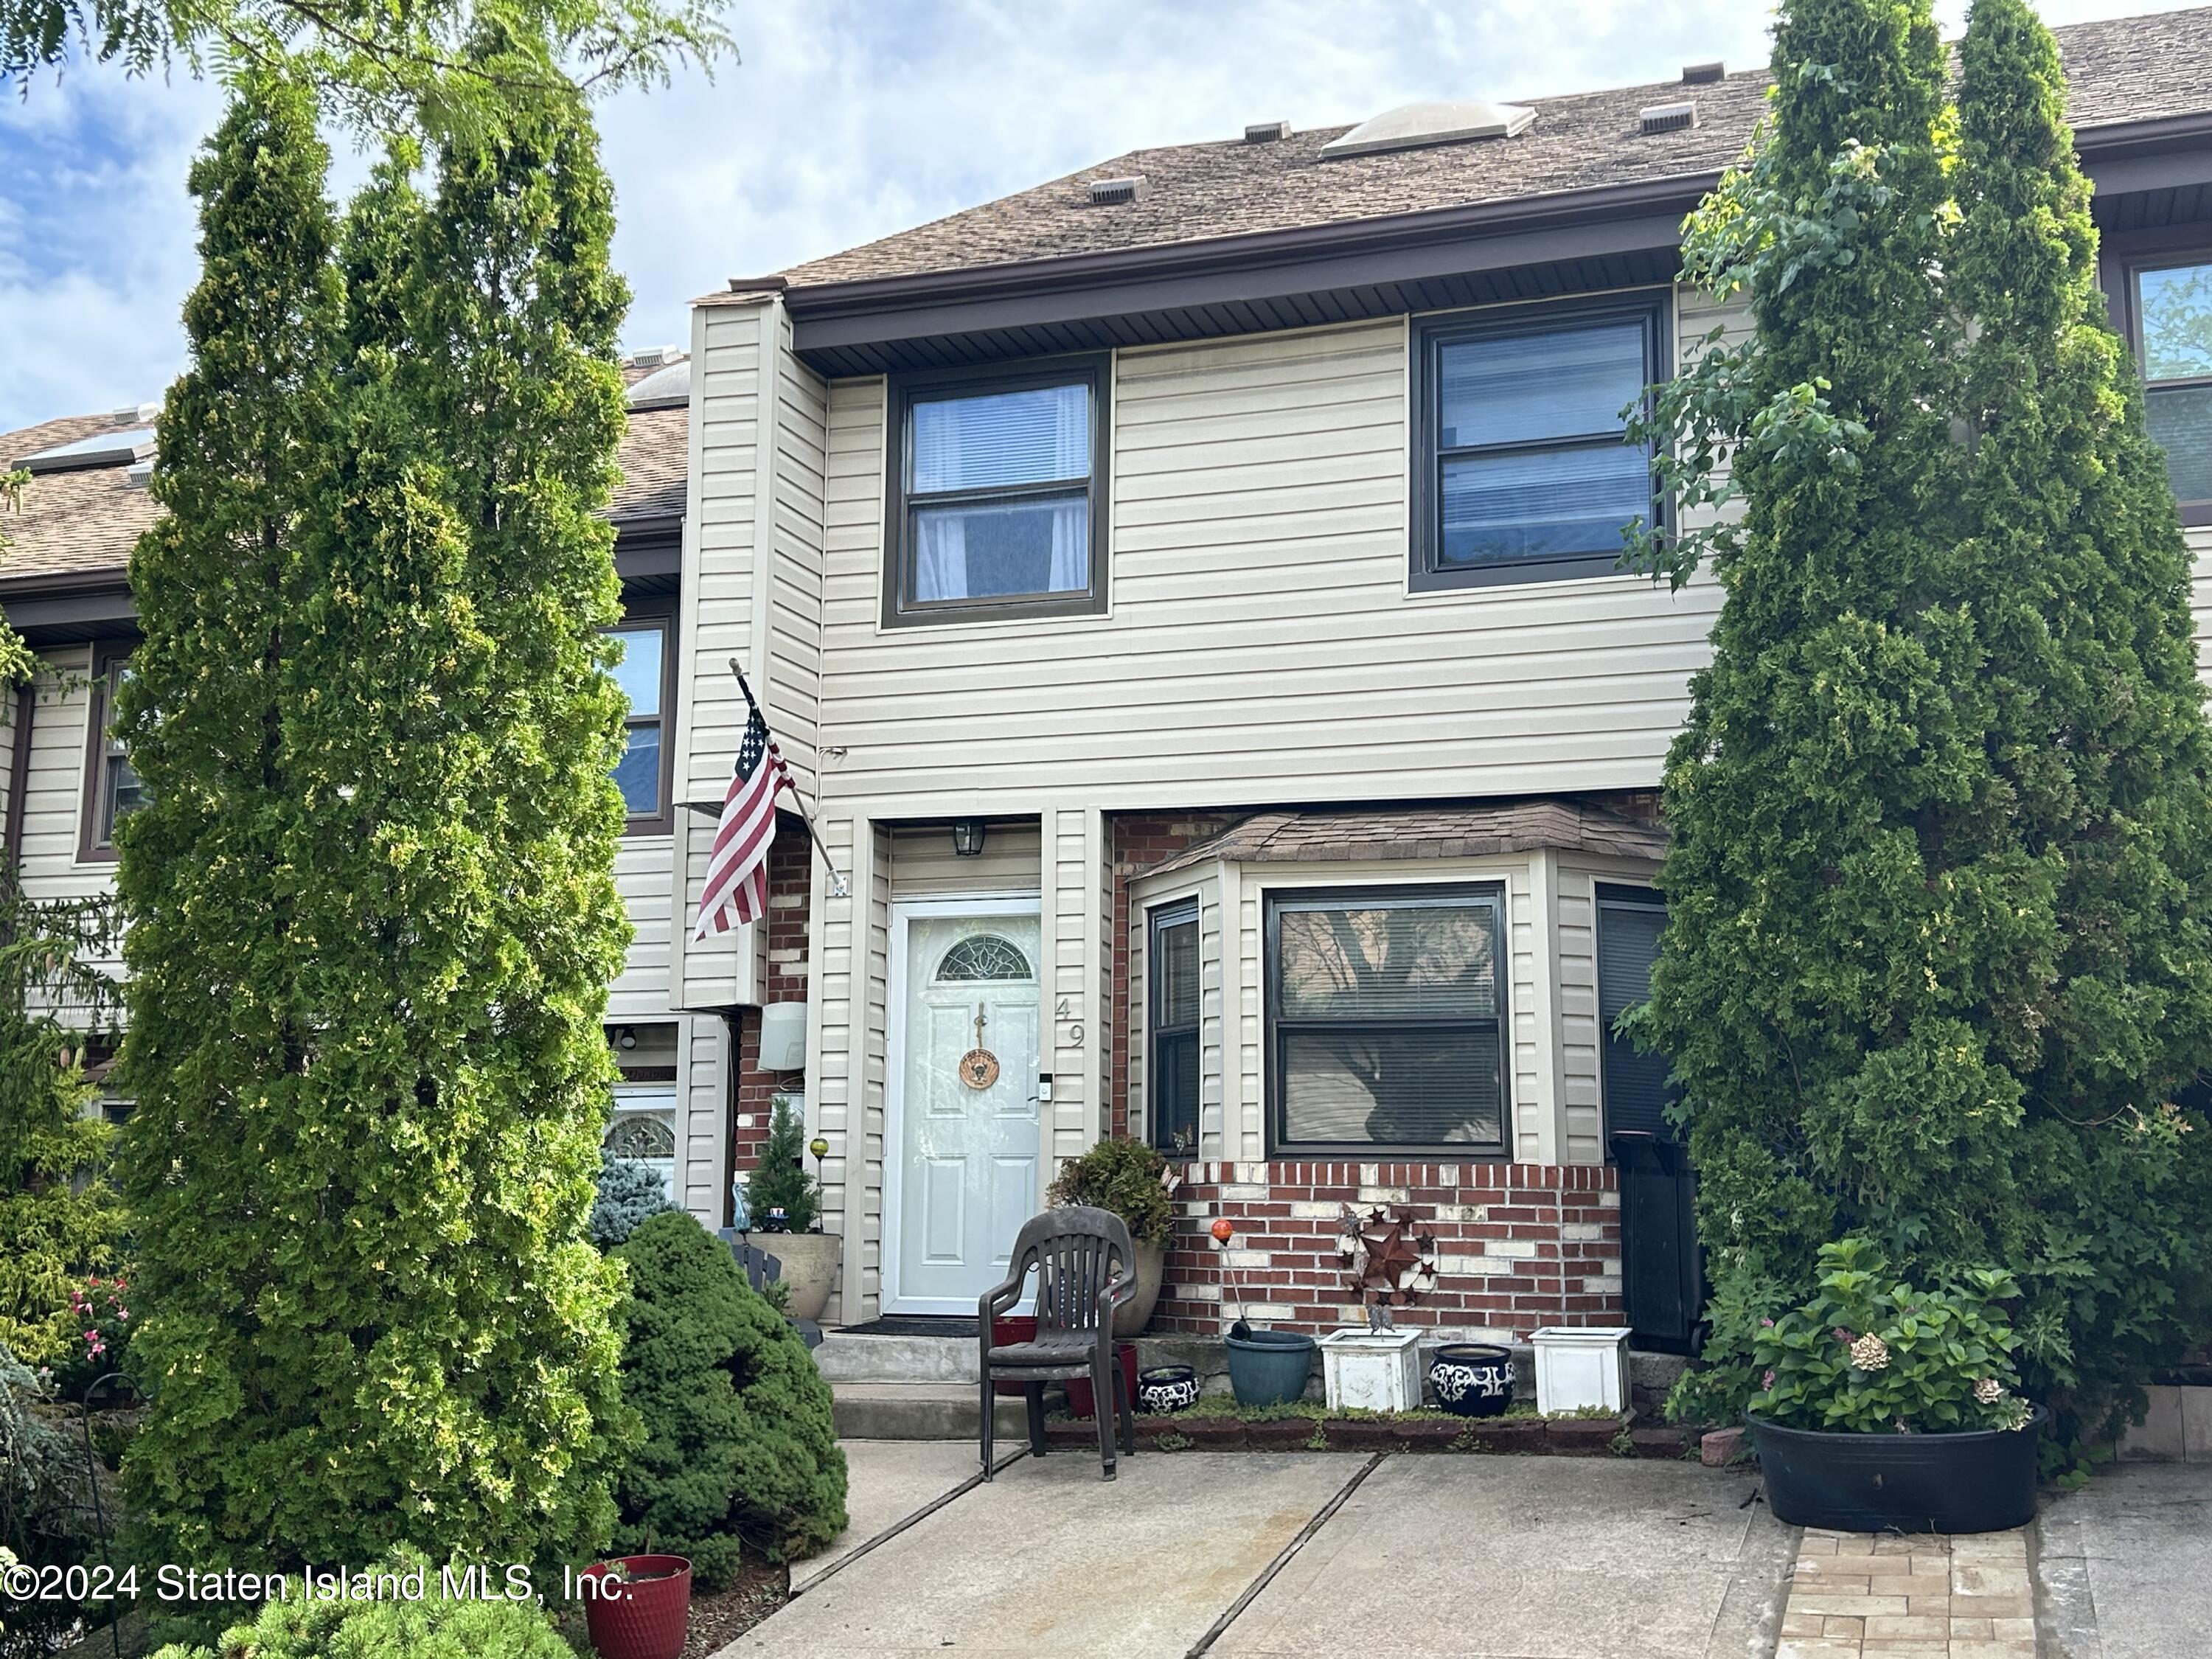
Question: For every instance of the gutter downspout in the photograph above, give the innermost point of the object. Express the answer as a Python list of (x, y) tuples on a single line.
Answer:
[(19, 776)]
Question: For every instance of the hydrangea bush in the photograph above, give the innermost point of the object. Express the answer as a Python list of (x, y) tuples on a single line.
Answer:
[(1872, 1354)]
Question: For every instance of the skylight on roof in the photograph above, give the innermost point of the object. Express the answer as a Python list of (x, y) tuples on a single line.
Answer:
[(1412, 126), (663, 388), (102, 449)]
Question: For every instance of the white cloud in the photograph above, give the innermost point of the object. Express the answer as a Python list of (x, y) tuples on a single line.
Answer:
[(847, 119)]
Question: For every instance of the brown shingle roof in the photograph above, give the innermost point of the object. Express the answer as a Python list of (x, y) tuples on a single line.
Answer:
[(85, 523), (1425, 832), (2128, 69)]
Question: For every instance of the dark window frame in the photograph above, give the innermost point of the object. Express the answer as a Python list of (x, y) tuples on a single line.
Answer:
[(1429, 336), (904, 390), (657, 612), (1171, 913), (1612, 896), (1275, 902), (2161, 253), (96, 843)]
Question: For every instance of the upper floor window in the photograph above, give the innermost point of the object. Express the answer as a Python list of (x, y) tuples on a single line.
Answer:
[(995, 504), (642, 773), (112, 791), (1171, 1025), (1521, 470), (1386, 1016), (2173, 325)]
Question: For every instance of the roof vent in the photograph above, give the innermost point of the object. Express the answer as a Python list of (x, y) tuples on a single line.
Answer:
[(139, 473), (1111, 192), (103, 449), (1699, 75), (1412, 126), (652, 358), (1667, 117), (135, 413), (1266, 132)]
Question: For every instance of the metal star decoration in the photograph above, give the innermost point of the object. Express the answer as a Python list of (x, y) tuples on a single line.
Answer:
[(1385, 1260)]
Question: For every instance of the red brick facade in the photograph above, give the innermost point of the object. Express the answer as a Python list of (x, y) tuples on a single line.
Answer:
[(1518, 1246), (790, 869)]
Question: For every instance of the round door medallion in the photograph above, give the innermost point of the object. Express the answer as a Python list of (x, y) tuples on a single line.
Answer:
[(979, 1068)]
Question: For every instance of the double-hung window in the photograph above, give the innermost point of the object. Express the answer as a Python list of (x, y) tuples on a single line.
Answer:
[(1386, 1017), (1637, 1093), (2172, 306), (112, 789), (996, 507), (1522, 469), (642, 773), (1172, 1026)]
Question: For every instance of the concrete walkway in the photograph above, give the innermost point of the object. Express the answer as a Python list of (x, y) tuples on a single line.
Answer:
[(887, 1480), (1250, 1554), (2125, 1566)]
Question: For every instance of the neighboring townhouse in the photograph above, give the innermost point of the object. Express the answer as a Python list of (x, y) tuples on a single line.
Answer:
[(64, 585), (1185, 591)]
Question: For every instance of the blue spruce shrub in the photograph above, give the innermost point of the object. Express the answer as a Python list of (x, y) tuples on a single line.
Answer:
[(630, 1193)]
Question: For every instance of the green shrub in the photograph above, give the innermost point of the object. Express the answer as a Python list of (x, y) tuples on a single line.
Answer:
[(630, 1193), (1870, 1354), (739, 1443), (59, 1221), (45, 1508), (430, 1628), (1123, 1177), (780, 1180)]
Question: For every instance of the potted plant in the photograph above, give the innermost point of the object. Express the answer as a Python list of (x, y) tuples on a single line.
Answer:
[(638, 1607), (1266, 1368), (1130, 1179), (782, 1199), (1882, 1406)]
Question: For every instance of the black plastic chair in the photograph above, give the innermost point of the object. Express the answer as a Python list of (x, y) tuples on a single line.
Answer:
[(1086, 1268)]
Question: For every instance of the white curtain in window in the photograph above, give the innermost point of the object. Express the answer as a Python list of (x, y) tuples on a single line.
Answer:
[(1070, 547), (940, 556)]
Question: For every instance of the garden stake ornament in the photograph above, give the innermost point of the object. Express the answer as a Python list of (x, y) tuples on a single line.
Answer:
[(1383, 1258), (1224, 1230)]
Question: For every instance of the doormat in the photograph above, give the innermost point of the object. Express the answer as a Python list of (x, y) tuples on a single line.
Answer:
[(912, 1325)]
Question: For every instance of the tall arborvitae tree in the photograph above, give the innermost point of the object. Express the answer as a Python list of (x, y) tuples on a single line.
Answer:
[(2074, 564), (1938, 809), (376, 917)]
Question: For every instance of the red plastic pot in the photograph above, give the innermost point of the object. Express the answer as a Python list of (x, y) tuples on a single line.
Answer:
[(646, 1617), (1078, 1388)]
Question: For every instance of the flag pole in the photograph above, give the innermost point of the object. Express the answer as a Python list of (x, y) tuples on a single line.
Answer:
[(838, 886)]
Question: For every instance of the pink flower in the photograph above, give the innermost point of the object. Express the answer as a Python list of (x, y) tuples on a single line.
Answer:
[(1766, 1382), (1767, 1324), (1842, 1335)]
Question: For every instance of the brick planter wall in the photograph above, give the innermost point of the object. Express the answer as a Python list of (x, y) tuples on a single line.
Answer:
[(1519, 1246)]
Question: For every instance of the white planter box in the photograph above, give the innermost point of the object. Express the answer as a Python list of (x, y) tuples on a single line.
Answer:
[(1578, 1367), (1372, 1370)]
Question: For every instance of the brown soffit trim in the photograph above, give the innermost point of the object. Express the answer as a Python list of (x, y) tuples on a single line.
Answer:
[(868, 310)]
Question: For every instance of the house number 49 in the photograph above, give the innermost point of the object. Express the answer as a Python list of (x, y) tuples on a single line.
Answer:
[(1074, 1026)]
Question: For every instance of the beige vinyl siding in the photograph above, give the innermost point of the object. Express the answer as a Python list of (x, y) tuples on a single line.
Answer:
[(645, 876), (1261, 644), (2199, 539), (924, 865), (1075, 929), (1580, 1034), (702, 1069), (847, 1017), (721, 539), (792, 614), (53, 793)]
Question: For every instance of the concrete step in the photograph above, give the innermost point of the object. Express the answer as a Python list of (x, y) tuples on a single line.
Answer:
[(896, 1358), (920, 1411)]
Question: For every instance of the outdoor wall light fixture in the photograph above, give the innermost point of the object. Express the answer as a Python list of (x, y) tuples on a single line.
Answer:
[(625, 1036), (968, 837)]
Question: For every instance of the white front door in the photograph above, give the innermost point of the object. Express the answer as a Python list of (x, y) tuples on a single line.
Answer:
[(966, 1173)]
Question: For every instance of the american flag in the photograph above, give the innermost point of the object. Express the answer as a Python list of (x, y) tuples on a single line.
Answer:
[(737, 871)]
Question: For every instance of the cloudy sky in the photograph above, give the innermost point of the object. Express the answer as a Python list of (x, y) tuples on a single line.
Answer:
[(845, 120)]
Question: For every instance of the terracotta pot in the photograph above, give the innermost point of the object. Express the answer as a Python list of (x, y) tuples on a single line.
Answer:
[(1078, 1388), (1132, 1315), (810, 1267), (649, 1616)]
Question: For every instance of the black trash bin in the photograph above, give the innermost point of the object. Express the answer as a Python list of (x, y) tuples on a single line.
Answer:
[(1662, 1269)]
